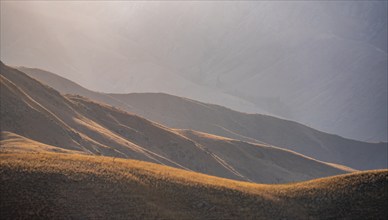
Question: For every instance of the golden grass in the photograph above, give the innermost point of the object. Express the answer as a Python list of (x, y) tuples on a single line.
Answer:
[(11, 142), (118, 169), (114, 184)]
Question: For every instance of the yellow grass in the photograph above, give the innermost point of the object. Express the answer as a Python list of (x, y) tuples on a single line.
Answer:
[(173, 193), (11, 142)]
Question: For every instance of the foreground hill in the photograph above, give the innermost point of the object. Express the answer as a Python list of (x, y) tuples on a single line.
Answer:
[(38, 112), (184, 113), (59, 186)]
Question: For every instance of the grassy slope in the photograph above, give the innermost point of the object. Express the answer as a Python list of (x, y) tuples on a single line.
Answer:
[(55, 185), (11, 142)]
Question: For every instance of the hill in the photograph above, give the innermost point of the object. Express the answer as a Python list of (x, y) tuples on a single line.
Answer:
[(59, 186), (183, 113), (38, 112)]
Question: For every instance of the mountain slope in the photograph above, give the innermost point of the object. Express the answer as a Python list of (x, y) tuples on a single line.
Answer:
[(57, 186), (40, 113), (185, 113)]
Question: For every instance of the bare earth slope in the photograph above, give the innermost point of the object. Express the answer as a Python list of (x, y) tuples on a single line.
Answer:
[(40, 113), (62, 186), (185, 113)]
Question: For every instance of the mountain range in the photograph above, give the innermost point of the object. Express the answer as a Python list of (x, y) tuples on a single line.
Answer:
[(184, 113), (40, 113)]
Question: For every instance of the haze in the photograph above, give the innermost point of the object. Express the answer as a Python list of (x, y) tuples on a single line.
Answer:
[(320, 63)]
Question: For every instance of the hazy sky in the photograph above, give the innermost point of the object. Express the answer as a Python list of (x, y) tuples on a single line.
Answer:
[(299, 60), (184, 38)]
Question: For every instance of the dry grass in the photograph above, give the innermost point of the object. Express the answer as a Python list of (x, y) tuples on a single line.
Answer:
[(55, 185), (11, 142)]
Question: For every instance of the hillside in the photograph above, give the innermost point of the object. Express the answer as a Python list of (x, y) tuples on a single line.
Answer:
[(183, 113), (10, 142), (40, 113), (59, 186)]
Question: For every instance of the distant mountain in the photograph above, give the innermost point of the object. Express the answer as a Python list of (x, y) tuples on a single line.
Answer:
[(38, 112), (185, 113), (320, 63), (56, 186)]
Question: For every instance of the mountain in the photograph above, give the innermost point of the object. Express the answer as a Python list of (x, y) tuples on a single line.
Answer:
[(320, 63), (184, 113), (38, 112), (56, 186)]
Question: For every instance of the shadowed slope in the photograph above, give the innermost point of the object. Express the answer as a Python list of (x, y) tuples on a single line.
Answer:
[(266, 158), (52, 185), (38, 112), (184, 113)]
